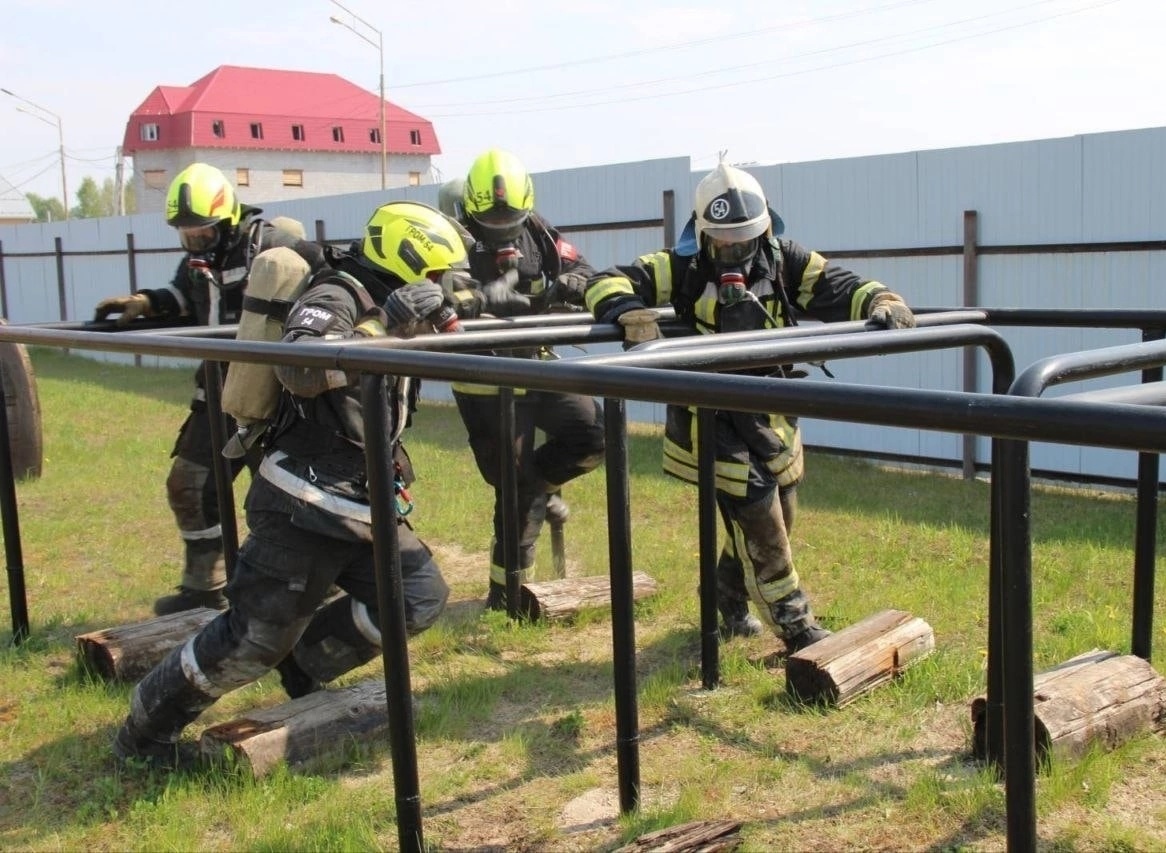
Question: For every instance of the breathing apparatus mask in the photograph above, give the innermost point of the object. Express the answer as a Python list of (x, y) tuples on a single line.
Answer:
[(731, 261)]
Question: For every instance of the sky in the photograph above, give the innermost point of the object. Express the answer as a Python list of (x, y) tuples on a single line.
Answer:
[(598, 82)]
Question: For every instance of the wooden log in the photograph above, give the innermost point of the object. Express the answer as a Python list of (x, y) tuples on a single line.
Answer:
[(565, 597), (25, 434), (301, 729), (699, 836), (127, 652), (1099, 697), (857, 659)]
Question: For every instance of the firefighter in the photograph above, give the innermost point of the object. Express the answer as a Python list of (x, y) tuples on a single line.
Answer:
[(523, 266), (731, 272), (221, 237), (308, 506)]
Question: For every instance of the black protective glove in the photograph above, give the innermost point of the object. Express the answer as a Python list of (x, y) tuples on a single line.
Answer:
[(500, 298), (412, 304), (568, 289), (889, 311), (129, 307)]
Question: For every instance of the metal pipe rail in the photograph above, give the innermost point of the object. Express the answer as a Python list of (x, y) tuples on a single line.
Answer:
[(1009, 417)]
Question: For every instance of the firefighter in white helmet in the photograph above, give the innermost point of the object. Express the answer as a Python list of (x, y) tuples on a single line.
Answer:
[(732, 272)]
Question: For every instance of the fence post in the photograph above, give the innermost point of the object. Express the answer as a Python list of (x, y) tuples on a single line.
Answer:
[(669, 218), (132, 259), (61, 302), (320, 231), (971, 300), (3, 285)]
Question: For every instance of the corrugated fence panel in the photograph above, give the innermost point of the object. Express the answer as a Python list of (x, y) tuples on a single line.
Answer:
[(1108, 187)]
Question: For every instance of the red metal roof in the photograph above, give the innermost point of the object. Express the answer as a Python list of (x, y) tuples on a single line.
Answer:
[(220, 109)]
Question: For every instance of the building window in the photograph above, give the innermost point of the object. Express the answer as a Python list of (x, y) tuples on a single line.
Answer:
[(414, 137), (242, 177), (293, 177), (414, 179), (218, 129), (256, 130), (155, 179), (374, 135), (337, 134), (298, 132), (149, 133)]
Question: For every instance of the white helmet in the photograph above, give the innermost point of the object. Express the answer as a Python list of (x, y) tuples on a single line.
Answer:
[(731, 213)]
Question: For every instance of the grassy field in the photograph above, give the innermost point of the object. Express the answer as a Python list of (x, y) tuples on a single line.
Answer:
[(516, 722)]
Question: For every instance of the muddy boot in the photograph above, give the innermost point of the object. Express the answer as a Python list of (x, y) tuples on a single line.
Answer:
[(132, 749), (189, 599), (737, 621), (496, 597), (795, 621), (203, 579), (295, 681)]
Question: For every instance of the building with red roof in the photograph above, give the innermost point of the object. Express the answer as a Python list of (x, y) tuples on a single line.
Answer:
[(276, 135)]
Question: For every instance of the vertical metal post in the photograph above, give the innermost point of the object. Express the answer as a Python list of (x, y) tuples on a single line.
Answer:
[(3, 285), (508, 493), (132, 260), (623, 623), (1146, 534), (13, 553), (669, 218), (706, 497), (391, 607), (970, 354), (224, 476), (1019, 714), (320, 231), (62, 303)]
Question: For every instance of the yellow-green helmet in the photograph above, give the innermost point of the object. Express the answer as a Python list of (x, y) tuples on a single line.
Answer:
[(202, 205), (499, 195), (411, 241)]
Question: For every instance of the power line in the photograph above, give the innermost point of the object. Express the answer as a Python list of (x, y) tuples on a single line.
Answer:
[(675, 46), (749, 81), (731, 68)]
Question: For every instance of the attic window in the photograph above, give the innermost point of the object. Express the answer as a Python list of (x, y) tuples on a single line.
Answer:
[(414, 137), (374, 135), (298, 132), (218, 129), (256, 130), (149, 133), (337, 134)]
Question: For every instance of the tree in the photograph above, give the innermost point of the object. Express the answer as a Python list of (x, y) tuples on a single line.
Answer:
[(94, 201), (46, 209)]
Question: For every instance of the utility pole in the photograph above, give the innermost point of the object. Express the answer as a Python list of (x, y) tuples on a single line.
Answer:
[(60, 140), (379, 44), (119, 197)]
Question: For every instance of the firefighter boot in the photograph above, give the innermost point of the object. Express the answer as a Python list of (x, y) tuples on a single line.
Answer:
[(202, 580), (295, 681), (557, 510), (736, 620), (163, 703), (496, 597), (795, 621)]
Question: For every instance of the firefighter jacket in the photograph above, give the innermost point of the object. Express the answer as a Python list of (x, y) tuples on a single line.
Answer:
[(212, 295), (783, 281), (551, 273), (315, 455)]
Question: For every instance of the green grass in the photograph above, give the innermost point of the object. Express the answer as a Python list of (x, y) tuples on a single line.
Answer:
[(516, 721)]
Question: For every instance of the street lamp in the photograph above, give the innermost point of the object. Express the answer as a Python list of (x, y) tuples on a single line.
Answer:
[(379, 44), (60, 140)]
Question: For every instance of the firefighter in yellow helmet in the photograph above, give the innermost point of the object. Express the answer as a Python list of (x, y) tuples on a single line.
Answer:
[(523, 266), (221, 237), (308, 506), (732, 272)]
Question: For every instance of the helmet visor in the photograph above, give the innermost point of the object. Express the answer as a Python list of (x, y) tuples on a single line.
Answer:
[(198, 238), (501, 224), (727, 252)]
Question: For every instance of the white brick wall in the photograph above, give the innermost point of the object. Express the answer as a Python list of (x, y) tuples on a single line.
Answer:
[(325, 173)]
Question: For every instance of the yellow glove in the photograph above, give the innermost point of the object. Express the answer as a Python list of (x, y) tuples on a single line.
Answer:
[(889, 311), (131, 307), (639, 326)]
